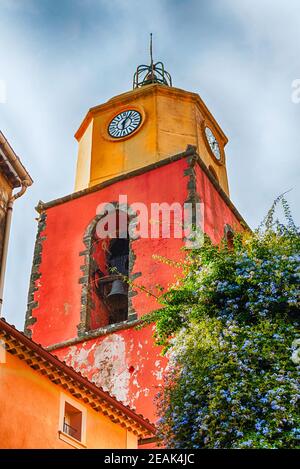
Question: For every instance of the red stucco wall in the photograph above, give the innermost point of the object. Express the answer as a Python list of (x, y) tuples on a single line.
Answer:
[(59, 293), (216, 211), (125, 362)]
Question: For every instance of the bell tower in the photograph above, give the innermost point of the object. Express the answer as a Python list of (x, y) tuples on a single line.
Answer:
[(144, 126), (154, 145)]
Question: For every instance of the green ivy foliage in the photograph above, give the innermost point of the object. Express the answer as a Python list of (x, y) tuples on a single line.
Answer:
[(231, 331)]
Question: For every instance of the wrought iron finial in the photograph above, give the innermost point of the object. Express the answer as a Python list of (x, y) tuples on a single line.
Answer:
[(153, 73)]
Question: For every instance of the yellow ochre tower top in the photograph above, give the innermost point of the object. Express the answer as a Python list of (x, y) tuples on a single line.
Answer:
[(148, 124)]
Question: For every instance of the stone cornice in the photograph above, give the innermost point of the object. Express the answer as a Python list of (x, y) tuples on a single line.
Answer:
[(155, 89)]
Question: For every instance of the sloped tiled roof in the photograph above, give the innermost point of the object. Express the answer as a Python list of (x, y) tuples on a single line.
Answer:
[(59, 373), (11, 165)]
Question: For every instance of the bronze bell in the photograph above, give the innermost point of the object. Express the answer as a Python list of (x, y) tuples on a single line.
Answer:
[(118, 296)]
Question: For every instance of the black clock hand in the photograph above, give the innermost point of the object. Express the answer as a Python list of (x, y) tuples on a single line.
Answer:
[(124, 122)]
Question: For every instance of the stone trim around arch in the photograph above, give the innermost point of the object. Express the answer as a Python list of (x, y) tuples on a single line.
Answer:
[(86, 303), (35, 275)]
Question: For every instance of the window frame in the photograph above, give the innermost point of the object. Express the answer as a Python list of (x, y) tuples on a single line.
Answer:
[(61, 433), (83, 329)]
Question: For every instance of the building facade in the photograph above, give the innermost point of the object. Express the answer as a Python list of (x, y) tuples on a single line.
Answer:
[(46, 404), (154, 145)]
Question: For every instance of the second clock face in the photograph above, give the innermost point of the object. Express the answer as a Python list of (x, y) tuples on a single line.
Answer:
[(213, 143), (124, 123)]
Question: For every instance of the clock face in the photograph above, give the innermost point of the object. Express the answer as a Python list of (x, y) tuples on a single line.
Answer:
[(213, 143), (124, 123)]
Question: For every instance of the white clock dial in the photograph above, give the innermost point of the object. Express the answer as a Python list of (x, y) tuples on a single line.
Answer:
[(124, 123), (213, 143)]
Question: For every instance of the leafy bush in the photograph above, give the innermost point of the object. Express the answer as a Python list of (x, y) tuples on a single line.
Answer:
[(231, 331)]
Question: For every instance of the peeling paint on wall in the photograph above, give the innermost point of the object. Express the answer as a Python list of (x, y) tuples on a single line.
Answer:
[(124, 363), (113, 374), (105, 363)]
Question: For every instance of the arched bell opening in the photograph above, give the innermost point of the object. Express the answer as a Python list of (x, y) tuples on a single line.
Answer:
[(112, 287), (108, 261), (106, 282), (117, 265)]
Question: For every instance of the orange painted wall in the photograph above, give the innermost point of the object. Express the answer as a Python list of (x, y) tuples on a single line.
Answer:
[(29, 413), (171, 119)]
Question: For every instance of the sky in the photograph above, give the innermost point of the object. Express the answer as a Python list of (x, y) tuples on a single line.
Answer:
[(61, 57)]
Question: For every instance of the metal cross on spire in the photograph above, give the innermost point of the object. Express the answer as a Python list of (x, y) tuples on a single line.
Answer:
[(153, 73)]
